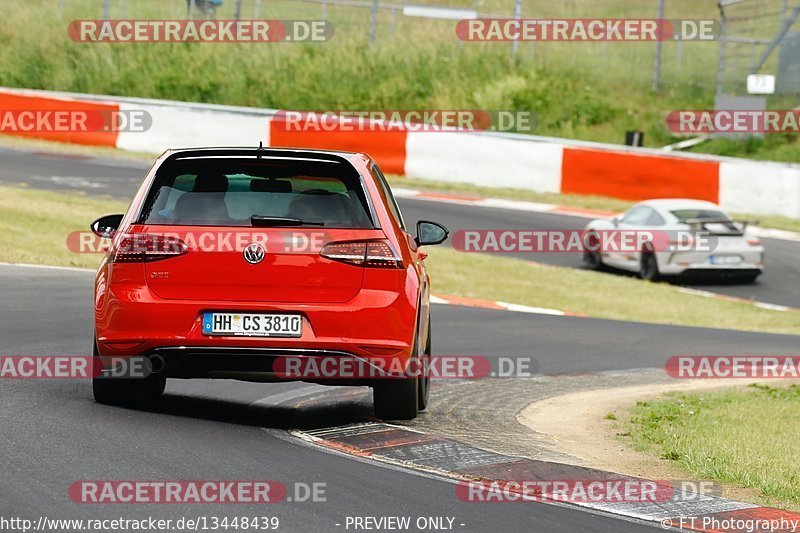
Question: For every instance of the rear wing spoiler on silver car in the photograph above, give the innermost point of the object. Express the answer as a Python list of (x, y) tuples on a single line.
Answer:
[(699, 224)]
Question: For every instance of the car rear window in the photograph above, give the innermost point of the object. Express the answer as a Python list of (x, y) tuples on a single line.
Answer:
[(229, 191)]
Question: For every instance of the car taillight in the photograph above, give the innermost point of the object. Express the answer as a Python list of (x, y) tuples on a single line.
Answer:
[(377, 254), (754, 241), (143, 248), (380, 254)]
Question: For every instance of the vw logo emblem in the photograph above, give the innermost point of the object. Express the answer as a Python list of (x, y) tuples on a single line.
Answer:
[(253, 253)]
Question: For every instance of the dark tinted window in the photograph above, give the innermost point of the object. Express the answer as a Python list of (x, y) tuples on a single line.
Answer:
[(228, 191)]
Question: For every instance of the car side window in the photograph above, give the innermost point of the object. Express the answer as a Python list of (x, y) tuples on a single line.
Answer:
[(637, 216), (655, 219), (394, 209)]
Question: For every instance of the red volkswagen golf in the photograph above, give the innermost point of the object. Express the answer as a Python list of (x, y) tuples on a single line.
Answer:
[(253, 264)]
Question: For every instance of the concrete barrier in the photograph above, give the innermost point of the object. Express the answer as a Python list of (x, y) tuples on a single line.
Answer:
[(543, 164)]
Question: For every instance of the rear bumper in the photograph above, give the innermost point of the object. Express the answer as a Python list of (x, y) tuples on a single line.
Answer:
[(265, 365), (131, 321), (750, 261)]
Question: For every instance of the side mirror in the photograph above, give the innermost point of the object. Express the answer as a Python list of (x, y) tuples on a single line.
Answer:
[(430, 233), (105, 227)]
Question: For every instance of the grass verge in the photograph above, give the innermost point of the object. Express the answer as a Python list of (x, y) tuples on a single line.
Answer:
[(593, 294), (34, 226), (747, 437)]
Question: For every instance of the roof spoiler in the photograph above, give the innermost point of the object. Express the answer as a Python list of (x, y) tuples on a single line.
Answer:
[(258, 153), (699, 224)]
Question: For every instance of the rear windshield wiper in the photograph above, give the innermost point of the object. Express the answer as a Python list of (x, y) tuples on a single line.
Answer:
[(274, 222)]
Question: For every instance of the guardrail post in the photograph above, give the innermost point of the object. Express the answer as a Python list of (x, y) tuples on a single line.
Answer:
[(517, 15), (659, 46), (373, 21)]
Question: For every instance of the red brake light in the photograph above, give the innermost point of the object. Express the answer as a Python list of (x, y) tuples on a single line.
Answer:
[(380, 254), (376, 254), (143, 248), (754, 241)]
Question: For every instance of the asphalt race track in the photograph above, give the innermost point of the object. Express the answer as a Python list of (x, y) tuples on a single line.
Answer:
[(207, 430), (232, 430), (215, 430), (54, 434), (121, 179)]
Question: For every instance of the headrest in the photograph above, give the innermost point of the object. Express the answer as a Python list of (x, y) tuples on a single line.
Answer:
[(210, 182), (270, 185)]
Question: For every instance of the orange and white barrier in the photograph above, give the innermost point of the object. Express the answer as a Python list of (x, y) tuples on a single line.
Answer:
[(488, 159)]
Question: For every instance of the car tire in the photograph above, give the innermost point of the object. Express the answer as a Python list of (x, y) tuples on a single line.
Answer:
[(116, 392), (396, 399), (121, 392), (648, 267), (592, 259), (423, 396)]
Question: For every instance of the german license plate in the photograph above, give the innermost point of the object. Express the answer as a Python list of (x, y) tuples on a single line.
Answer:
[(725, 259), (252, 324)]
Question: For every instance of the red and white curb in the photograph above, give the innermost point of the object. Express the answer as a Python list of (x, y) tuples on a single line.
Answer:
[(519, 308), (411, 449), (725, 297), (497, 306)]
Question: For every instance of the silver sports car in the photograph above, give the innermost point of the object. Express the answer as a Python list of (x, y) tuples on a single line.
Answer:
[(682, 236)]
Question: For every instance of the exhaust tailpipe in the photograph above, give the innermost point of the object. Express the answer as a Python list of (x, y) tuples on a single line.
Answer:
[(157, 364)]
